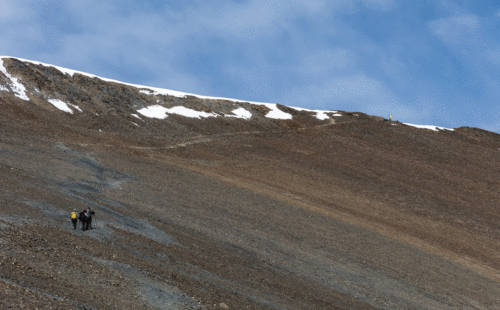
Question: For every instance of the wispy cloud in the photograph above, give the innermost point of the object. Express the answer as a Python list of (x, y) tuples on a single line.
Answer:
[(380, 4), (459, 30), (11, 10)]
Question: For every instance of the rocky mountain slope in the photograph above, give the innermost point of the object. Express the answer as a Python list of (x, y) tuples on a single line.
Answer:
[(210, 203)]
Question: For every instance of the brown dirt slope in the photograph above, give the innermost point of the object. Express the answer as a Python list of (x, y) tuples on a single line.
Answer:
[(351, 212)]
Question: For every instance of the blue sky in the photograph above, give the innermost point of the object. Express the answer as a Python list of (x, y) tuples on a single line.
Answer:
[(432, 62)]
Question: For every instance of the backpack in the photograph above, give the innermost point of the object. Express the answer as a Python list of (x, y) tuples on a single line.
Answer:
[(73, 215)]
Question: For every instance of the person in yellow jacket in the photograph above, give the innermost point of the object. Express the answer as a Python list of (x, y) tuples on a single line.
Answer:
[(74, 218)]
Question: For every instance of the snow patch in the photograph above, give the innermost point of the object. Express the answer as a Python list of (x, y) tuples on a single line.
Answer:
[(135, 115), (16, 86), (275, 113), (240, 113), (61, 105), (320, 114), (156, 111), (434, 128), (75, 107)]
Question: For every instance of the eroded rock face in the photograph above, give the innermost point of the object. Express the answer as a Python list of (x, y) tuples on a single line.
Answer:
[(315, 211)]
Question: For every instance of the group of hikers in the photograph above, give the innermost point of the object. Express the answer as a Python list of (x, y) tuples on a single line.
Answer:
[(85, 217)]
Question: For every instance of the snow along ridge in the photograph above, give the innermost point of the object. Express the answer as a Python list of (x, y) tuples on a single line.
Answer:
[(157, 111), (431, 127), (160, 112)]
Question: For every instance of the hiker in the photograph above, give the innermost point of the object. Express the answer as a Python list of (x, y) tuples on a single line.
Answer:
[(74, 219), (86, 218), (90, 213)]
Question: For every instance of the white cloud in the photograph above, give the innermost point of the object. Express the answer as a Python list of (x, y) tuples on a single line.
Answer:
[(352, 92), (257, 18), (383, 5), (5, 10), (11, 10), (321, 62), (490, 120), (493, 56), (459, 30)]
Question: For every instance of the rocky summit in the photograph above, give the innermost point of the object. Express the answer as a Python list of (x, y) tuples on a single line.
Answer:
[(214, 203)]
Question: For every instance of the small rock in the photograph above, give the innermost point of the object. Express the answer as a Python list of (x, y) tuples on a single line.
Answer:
[(223, 305)]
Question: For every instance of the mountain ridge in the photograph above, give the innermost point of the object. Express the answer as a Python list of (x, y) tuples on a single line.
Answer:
[(273, 111)]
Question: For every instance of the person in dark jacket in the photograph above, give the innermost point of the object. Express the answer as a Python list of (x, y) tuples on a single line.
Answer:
[(90, 213), (86, 218)]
